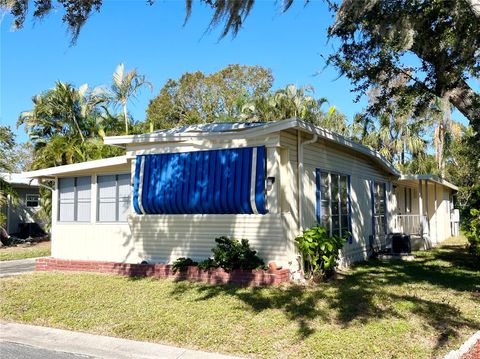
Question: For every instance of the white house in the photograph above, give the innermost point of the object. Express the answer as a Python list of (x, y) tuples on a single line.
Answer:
[(176, 190)]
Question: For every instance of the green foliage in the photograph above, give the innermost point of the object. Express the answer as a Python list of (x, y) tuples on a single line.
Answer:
[(197, 98), (231, 254), (182, 264), (378, 40), (473, 232), (207, 264), (319, 251), (7, 143)]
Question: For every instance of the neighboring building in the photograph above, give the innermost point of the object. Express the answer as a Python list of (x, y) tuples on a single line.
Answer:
[(21, 215), (176, 190)]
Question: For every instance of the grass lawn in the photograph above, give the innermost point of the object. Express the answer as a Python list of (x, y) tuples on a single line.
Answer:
[(419, 309), (41, 249)]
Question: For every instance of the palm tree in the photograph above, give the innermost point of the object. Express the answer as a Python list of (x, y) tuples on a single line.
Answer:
[(125, 86), (7, 143), (63, 109)]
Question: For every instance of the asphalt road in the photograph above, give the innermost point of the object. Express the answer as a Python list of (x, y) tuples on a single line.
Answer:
[(8, 268), (9, 350)]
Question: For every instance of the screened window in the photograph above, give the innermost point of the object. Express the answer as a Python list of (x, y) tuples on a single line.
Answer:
[(333, 202), (74, 199), (32, 200), (379, 207), (113, 198)]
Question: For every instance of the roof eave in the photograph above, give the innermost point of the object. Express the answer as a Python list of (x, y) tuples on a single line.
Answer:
[(89, 165), (432, 178)]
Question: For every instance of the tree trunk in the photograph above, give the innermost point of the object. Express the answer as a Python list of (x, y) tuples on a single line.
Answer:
[(467, 102), (78, 128), (125, 116)]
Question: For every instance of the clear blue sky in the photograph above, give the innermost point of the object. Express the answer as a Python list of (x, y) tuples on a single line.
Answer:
[(153, 40)]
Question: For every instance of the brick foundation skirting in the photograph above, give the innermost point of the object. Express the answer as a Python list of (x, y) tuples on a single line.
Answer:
[(211, 276)]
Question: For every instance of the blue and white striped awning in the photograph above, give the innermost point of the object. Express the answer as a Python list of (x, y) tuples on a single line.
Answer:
[(203, 182)]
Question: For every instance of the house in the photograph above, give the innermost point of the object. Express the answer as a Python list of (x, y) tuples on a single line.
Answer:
[(176, 190), (21, 217)]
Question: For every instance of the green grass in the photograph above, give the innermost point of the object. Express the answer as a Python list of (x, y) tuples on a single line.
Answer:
[(419, 309), (41, 249)]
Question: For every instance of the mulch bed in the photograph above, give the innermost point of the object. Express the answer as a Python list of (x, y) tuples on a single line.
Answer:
[(474, 353)]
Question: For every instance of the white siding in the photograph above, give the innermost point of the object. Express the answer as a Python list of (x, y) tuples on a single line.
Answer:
[(164, 238), (331, 157)]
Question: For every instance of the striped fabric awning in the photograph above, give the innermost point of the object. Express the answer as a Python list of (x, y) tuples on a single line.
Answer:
[(201, 182)]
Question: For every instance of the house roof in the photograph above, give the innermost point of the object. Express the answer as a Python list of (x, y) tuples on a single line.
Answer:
[(77, 167), (428, 177), (231, 131), (18, 179)]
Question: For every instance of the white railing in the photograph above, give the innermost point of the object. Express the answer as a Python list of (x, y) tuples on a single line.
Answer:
[(410, 224)]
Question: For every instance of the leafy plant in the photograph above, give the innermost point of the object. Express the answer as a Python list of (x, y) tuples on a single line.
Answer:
[(182, 263), (319, 251), (207, 264), (473, 232), (233, 254)]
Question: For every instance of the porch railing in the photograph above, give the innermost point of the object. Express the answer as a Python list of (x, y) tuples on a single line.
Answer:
[(410, 224)]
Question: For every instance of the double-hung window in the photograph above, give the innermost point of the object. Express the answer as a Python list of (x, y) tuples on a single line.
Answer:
[(74, 199), (379, 207), (32, 200), (333, 202), (113, 198)]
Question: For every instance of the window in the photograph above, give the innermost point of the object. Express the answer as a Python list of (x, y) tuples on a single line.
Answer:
[(333, 202), (74, 198), (113, 198), (32, 200), (379, 208)]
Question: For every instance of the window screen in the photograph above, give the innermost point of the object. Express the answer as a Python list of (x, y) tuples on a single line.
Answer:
[(113, 197), (74, 199)]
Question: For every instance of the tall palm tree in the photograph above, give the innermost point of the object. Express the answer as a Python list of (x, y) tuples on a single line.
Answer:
[(125, 86), (63, 109)]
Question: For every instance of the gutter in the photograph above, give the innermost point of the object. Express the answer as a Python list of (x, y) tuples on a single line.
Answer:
[(301, 172)]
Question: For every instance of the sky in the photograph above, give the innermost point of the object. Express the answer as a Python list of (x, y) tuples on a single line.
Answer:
[(154, 40)]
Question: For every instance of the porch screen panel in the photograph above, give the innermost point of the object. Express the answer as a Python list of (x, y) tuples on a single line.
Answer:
[(106, 198), (230, 181), (83, 185), (124, 190), (66, 199)]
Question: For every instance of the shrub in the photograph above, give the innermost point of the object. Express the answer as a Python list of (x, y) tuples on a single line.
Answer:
[(182, 263), (473, 232), (233, 254), (319, 251), (207, 264)]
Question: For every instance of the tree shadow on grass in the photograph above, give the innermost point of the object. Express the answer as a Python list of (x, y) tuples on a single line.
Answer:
[(369, 292)]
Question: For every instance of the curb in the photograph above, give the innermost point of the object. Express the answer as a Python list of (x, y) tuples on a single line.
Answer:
[(464, 348), (97, 346)]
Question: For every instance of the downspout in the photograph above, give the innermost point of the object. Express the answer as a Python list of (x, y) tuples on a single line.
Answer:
[(300, 148)]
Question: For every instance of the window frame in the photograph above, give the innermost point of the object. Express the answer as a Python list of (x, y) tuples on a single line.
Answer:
[(30, 200), (117, 197), (75, 200), (319, 173), (381, 184)]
